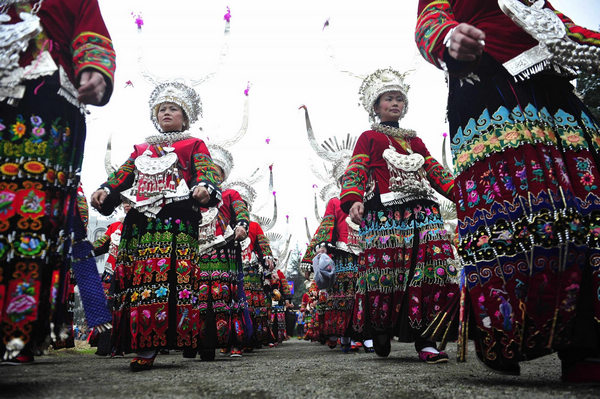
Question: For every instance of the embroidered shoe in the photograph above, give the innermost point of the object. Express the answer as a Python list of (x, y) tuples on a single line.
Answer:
[(236, 353), (19, 360), (141, 364), (433, 358)]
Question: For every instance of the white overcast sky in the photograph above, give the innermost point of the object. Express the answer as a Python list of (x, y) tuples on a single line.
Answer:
[(280, 47)]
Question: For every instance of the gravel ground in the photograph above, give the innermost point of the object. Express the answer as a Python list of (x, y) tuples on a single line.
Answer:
[(296, 369)]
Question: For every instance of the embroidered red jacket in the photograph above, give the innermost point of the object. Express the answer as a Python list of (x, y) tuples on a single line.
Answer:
[(332, 229), (77, 38), (109, 243), (232, 212), (367, 162), (504, 39), (194, 164), (259, 243)]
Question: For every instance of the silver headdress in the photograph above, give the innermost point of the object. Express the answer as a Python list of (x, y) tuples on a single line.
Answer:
[(221, 157), (379, 82), (178, 93), (336, 153), (245, 190)]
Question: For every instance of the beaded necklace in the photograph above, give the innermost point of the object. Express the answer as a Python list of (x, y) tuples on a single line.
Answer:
[(167, 138), (393, 131)]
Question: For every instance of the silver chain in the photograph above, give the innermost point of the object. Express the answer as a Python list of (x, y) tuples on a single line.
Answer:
[(5, 4)]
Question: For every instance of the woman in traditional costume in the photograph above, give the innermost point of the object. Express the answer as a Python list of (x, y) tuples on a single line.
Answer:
[(57, 56), (388, 188), (108, 243), (160, 292), (526, 156), (337, 239), (221, 229), (340, 241), (257, 260), (280, 298)]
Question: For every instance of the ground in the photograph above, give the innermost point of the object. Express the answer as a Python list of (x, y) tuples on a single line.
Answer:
[(295, 369)]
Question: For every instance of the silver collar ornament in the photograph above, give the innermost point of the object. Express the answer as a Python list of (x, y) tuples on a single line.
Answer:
[(14, 41)]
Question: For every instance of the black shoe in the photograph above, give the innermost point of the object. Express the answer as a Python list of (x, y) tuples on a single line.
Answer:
[(208, 355), (189, 353), (382, 345)]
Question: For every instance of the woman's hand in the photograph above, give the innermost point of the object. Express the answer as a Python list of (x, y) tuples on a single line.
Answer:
[(98, 198), (356, 212), (466, 43), (91, 87), (270, 264), (201, 195), (239, 234)]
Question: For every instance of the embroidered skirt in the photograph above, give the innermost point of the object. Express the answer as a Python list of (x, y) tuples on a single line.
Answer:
[(217, 292), (257, 304), (526, 166), (40, 157), (339, 303), (160, 290), (404, 277)]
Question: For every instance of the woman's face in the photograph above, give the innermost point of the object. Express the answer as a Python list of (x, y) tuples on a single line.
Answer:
[(170, 117), (390, 106)]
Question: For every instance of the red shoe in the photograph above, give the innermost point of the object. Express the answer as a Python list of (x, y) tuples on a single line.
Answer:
[(141, 364), (236, 353), (585, 371), (433, 358), (19, 360)]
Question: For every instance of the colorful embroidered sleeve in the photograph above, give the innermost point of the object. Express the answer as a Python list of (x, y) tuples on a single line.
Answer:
[(578, 33), (323, 236), (118, 181), (441, 180), (240, 211), (306, 262), (92, 46), (102, 244), (325, 233), (264, 244), (433, 23), (122, 178), (206, 173), (82, 205), (285, 289), (355, 178)]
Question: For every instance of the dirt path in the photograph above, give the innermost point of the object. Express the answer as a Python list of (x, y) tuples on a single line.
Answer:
[(296, 369)]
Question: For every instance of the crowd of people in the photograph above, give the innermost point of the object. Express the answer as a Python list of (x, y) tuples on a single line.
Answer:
[(190, 270)]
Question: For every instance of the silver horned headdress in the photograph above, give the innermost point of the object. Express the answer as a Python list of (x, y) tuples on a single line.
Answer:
[(379, 82), (337, 154), (178, 93)]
